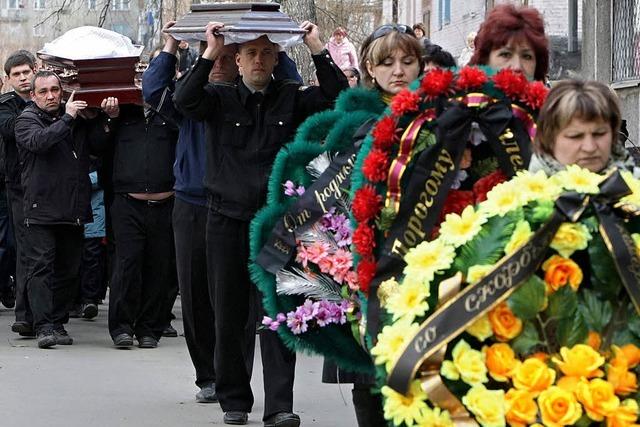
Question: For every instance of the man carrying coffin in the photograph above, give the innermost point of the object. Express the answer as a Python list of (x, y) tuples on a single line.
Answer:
[(53, 144), (247, 124)]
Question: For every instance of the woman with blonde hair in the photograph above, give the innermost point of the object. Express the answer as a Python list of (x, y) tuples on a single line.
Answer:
[(579, 124)]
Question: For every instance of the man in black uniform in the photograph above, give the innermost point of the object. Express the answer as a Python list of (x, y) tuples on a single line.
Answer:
[(19, 68), (53, 143), (246, 125)]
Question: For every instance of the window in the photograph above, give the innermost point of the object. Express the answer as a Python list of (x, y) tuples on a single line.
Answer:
[(120, 5), (625, 41), (91, 4), (444, 12), (38, 5), (13, 4)]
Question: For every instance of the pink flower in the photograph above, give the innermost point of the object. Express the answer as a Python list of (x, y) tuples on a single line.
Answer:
[(352, 280), (302, 255), (341, 263), (317, 251), (325, 264), (296, 323)]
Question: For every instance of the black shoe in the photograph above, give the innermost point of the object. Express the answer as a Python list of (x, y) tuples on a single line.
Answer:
[(147, 342), (169, 331), (207, 394), (62, 337), (123, 340), (24, 329), (8, 298), (236, 418), (89, 311), (282, 419), (76, 311), (46, 339)]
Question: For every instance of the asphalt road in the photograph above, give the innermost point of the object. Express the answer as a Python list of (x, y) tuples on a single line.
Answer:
[(92, 383)]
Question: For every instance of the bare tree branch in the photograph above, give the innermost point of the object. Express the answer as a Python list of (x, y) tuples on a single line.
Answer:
[(54, 14), (103, 13)]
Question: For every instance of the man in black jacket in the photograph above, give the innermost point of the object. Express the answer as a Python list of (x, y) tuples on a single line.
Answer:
[(246, 125), (53, 144), (142, 182), (19, 68)]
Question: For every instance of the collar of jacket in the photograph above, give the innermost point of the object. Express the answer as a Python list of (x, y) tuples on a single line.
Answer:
[(45, 115), (245, 92)]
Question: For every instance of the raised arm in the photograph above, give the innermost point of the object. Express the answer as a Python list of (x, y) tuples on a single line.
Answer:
[(190, 97)]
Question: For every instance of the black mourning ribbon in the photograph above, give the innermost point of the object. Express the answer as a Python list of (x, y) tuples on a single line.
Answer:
[(317, 200), (452, 128), (454, 317)]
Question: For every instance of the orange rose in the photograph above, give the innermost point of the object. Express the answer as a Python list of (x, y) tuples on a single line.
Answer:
[(594, 340), (533, 375), (561, 271), (504, 323), (521, 408), (580, 361), (623, 381), (558, 407), (568, 383), (598, 398), (501, 361), (540, 355), (625, 416), (632, 353)]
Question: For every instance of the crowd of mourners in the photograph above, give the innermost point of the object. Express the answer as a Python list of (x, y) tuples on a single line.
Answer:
[(154, 200)]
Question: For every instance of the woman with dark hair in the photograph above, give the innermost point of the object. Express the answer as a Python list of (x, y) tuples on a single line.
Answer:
[(436, 57), (353, 76), (513, 37)]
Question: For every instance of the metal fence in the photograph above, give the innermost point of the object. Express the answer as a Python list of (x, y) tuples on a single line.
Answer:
[(625, 40)]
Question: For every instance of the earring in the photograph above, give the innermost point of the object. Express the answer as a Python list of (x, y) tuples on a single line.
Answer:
[(373, 80)]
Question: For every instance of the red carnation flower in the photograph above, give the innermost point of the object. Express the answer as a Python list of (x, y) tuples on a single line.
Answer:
[(404, 102), (376, 166), (366, 203), (512, 83), (366, 272), (486, 183), (471, 78), (364, 239), (535, 94), (455, 202), (436, 82), (384, 133)]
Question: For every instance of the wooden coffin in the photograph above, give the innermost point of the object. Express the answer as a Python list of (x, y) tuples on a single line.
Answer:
[(95, 79), (260, 18)]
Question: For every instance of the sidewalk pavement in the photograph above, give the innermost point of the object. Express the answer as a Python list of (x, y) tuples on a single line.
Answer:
[(92, 383)]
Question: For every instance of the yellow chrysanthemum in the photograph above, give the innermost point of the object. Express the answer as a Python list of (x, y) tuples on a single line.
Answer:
[(481, 329), (459, 229), (569, 238), (636, 240), (535, 186), (477, 272), (577, 179), (634, 185), (427, 258), (401, 408), (410, 301), (435, 417), (501, 199), (386, 290), (520, 236), (466, 364), (488, 406), (391, 341)]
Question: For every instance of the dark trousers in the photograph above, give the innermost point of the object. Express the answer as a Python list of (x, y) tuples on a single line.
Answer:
[(189, 227), (16, 201), (52, 256), (144, 251), (227, 256), (7, 244), (92, 271)]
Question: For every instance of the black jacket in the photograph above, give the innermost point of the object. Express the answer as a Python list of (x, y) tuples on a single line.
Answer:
[(11, 105), (54, 152), (144, 152), (245, 132)]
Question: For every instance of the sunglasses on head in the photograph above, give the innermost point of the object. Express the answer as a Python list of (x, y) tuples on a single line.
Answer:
[(386, 29)]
